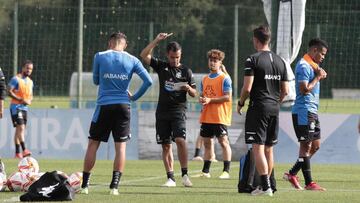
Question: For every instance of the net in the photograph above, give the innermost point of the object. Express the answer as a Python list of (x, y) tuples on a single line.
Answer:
[(336, 21), (48, 36)]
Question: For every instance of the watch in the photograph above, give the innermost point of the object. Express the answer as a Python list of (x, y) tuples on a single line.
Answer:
[(241, 105)]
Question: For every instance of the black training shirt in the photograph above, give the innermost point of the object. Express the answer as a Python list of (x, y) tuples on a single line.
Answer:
[(170, 100), (268, 70)]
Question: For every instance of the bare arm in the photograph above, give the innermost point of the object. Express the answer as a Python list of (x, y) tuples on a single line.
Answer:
[(306, 87), (206, 100), (191, 91), (284, 90), (21, 100), (245, 92), (13, 95), (146, 53)]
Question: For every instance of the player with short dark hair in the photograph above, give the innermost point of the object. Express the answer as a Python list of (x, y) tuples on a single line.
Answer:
[(20, 90), (265, 81), (308, 75), (216, 114), (112, 72), (175, 82)]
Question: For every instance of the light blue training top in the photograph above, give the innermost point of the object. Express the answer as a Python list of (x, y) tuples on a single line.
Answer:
[(310, 101), (112, 71)]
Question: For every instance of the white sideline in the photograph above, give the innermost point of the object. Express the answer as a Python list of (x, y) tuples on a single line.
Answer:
[(128, 182), (151, 178)]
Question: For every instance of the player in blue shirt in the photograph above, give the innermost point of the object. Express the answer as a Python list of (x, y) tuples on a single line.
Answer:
[(112, 72), (21, 92), (305, 112)]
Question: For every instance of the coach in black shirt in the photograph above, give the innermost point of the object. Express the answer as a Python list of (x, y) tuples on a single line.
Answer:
[(176, 81), (265, 80)]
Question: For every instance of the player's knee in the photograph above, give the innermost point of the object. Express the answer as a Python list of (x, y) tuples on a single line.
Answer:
[(207, 145), (315, 149), (180, 142), (224, 143), (166, 147)]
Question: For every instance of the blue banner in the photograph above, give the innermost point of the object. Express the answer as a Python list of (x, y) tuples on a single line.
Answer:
[(63, 134)]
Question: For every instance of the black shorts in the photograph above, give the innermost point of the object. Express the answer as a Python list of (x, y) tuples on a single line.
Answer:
[(211, 130), (261, 128), (114, 118), (19, 118), (167, 129), (307, 127)]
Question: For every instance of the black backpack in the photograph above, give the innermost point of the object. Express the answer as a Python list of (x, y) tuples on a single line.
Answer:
[(50, 187), (249, 178)]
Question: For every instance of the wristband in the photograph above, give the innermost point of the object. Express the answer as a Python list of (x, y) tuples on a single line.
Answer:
[(239, 103)]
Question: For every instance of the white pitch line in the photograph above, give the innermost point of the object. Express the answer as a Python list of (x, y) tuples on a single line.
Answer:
[(128, 182), (151, 178)]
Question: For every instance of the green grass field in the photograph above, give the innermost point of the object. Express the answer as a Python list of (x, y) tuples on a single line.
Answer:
[(342, 106), (142, 179)]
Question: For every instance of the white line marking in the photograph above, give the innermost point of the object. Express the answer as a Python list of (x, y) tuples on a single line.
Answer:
[(127, 182)]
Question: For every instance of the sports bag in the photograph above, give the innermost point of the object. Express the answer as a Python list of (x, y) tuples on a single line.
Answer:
[(50, 187), (249, 178)]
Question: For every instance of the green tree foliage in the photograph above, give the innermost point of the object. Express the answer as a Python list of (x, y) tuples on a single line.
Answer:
[(48, 34)]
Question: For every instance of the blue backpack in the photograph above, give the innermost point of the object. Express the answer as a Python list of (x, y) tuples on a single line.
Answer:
[(248, 176)]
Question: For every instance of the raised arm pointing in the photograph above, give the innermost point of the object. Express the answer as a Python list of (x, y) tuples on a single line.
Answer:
[(146, 53)]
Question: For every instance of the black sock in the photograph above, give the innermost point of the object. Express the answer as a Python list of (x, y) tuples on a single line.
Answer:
[(297, 166), (115, 180), (184, 171), (273, 181), (206, 167), (170, 175), (17, 148), (227, 166), (22, 145), (307, 170), (197, 152), (86, 179), (265, 182)]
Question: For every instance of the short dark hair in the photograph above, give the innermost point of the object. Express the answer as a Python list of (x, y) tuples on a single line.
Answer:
[(319, 43), (263, 34), (117, 36), (173, 46), (27, 61)]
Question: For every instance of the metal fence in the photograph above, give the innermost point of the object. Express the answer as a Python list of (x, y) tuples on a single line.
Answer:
[(47, 32)]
